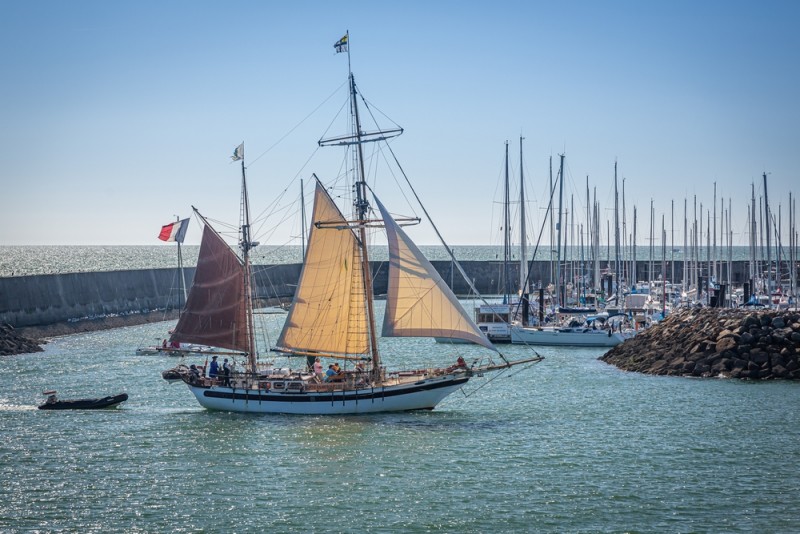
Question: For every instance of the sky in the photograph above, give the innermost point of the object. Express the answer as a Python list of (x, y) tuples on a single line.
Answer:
[(119, 116)]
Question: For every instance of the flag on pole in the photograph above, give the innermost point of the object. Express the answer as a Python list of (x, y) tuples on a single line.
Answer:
[(341, 44), (174, 231), (238, 153)]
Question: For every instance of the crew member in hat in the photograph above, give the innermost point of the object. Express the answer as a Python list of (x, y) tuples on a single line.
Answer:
[(213, 369)]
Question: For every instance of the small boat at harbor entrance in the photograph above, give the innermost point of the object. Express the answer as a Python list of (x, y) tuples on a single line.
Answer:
[(110, 401)]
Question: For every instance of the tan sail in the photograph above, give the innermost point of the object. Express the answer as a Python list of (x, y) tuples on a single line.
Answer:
[(327, 313), (216, 309), (418, 302)]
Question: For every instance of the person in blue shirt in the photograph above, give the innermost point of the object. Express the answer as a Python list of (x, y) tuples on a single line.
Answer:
[(213, 369), (329, 373)]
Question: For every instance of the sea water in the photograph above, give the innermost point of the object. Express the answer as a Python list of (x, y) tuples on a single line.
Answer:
[(570, 444), (29, 260)]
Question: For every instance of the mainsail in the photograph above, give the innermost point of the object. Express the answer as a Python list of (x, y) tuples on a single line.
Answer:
[(418, 301), (328, 313), (216, 308)]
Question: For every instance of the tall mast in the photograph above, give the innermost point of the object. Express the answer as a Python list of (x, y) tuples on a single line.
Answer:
[(616, 233), (552, 230), (752, 237), (362, 209), (588, 236), (246, 244), (596, 238), (523, 238), (685, 244), (714, 244), (623, 235), (506, 237), (652, 239), (633, 240), (672, 243), (769, 254), (663, 268), (560, 179)]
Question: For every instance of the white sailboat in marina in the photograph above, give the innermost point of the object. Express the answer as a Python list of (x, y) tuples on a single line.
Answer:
[(569, 330), (332, 316)]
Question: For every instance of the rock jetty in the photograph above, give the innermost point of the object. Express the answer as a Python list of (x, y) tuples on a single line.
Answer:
[(12, 342), (716, 342)]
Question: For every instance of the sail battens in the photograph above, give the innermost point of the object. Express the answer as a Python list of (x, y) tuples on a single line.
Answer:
[(215, 313), (327, 312), (418, 302)]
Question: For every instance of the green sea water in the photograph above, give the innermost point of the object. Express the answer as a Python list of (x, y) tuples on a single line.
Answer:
[(567, 445)]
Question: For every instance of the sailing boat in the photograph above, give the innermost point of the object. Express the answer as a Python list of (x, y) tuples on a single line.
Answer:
[(172, 232), (332, 314), (571, 331)]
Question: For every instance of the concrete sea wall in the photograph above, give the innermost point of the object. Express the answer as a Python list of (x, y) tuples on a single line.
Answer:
[(56, 298)]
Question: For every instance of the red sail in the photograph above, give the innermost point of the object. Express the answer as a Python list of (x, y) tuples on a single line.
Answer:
[(216, 309)]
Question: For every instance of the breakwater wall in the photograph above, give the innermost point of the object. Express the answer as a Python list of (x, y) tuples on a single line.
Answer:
[(56, 298), (715, 342)]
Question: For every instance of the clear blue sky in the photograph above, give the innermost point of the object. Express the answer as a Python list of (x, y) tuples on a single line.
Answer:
[(116, 116)]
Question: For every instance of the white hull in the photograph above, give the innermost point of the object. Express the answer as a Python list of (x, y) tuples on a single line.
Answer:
[(423, 394), (572, 337)]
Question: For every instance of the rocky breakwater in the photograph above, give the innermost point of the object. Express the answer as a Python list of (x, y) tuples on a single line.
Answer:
[(716, 342), (12, 342)]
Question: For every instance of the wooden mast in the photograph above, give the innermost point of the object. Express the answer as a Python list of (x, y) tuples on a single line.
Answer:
[(246, 245), (362, 209)]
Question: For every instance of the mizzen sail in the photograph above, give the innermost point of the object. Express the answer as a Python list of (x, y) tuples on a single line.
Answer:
[(328, 311), (216, 308), (418, 302)]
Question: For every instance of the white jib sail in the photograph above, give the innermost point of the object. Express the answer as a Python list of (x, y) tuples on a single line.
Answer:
[(418, 301)]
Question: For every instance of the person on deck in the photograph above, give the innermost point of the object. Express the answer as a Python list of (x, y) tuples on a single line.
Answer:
[(194, 374), (213, 369), (226, 373), (330, 373), (317, 368)]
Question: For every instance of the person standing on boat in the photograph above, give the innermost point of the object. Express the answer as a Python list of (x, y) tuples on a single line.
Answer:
[(226, 373), (317, 367), (213, 369)]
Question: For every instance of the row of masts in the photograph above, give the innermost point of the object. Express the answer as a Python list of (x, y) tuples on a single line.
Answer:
[(707, 253)]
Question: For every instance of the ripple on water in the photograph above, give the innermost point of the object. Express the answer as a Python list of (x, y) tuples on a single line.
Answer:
[(570, 445)]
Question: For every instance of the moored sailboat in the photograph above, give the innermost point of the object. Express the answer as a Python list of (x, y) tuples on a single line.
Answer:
[(332, 315)]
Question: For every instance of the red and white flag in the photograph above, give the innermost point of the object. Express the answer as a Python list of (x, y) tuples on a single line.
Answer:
[(174, 231)]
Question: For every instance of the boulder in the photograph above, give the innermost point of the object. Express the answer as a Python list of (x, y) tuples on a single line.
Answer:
[(726, 343)]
